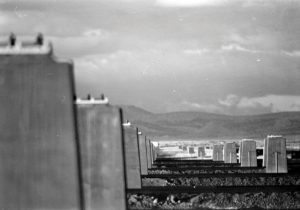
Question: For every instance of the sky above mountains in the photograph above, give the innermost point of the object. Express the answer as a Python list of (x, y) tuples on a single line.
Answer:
[(223, 56)]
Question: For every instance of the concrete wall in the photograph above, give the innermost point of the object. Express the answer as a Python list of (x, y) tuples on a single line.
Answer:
[(191, 150), (38, 151), (248, 153), (132, 161), (275, 155), (230, 155), (149, 158), (265, 152), (201, 152), (100, 131), (218, 152), (153, 152), (143, 154)]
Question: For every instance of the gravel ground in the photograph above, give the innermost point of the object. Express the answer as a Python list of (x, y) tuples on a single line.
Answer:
[(222, 181), (204, 171), (216, 201)]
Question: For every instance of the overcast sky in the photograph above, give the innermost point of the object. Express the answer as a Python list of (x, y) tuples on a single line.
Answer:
[(222, 56)]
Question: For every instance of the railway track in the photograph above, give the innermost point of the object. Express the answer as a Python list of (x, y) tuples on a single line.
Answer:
[(219, 175), (220, 189)]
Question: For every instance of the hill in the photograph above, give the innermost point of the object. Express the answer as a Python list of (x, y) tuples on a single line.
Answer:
[(200, 125)]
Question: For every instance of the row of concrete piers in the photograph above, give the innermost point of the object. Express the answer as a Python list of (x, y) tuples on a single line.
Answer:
[(57, 152), (274, 153)]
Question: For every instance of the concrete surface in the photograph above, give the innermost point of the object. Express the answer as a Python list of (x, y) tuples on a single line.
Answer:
[(276, 161), (38, 149), (132, 161), (143, 154), (248, 153), (218, 152), (100, 131), (230, 155)]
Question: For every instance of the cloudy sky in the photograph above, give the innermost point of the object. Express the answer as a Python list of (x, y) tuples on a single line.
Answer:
[(223, 56)]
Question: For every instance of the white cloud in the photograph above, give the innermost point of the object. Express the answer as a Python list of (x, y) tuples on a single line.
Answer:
[(265, 3), (204, 107), (236, 47), (233, 47), (292, 53), (236, 105), (248, 40), (87, 43), (231, 100), (224, 48), (190, 3), (129, 64), (196, 51), (94, 33), (277, 103), (87, 64)]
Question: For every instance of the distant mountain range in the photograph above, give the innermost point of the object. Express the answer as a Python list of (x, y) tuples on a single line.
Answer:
[(200, 125)]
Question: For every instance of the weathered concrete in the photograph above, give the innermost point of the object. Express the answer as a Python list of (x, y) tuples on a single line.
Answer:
[(230, 155), (248, 153), (191, 150), (201, 152), (218, 152), (196, 151), (132, 161), (143, 154), (265, 152), (155, 149), (153, 152), (38, 148), (276, 161), (148, 150), (100, 132)]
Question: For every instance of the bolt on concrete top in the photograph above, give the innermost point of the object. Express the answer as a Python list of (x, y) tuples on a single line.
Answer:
[(15, 47)]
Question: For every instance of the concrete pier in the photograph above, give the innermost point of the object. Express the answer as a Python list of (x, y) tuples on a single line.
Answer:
[(38, 148), (275, 154), (191, 150), (248, 153), (230, 155), (132, 161), (156, 150), (218, 152), (265, 153), (102, 149), (143, 154), (153, 152), (201, 152), (148, 151)]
